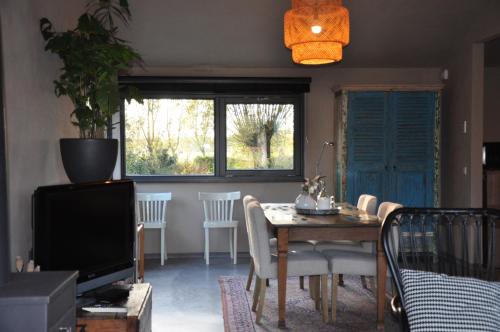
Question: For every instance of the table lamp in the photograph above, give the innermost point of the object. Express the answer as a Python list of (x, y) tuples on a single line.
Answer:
[(323, 145)]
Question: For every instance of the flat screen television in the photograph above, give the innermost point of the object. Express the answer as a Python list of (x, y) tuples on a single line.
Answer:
[(86, 227)]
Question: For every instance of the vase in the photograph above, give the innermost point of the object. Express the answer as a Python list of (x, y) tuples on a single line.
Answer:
[(88, 160), (305, 201)]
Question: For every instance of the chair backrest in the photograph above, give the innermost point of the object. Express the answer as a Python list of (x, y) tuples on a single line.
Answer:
[(152, 207), (246, 201), (367, 203), (385, 208), (218, 206), (259, 239), (457, 242), (383, 211)]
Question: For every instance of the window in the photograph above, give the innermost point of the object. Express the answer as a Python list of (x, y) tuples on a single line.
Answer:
[(227, 130), (169, 137)]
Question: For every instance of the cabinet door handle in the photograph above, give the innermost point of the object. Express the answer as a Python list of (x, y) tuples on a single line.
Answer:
[(65, 329)]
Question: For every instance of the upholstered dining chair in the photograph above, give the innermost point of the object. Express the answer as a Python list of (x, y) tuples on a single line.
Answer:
[(354, 263), (218, 213), (300, 263), (292, 246), (366, 203), (152, 212)]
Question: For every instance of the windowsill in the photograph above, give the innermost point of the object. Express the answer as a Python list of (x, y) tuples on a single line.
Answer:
[(214, 179)]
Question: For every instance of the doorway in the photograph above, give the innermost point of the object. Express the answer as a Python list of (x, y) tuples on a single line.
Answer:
[(491, 124)]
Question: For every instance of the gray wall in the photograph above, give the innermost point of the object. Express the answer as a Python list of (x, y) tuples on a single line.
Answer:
[(35, 118), (4, 236), (463, 101), (185, 232), (491, 104)]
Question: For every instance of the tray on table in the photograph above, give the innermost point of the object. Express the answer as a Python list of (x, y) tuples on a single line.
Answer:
[(318, 212)]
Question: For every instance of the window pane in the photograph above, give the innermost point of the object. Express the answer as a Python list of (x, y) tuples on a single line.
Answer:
[(259, 136), (169, 137)]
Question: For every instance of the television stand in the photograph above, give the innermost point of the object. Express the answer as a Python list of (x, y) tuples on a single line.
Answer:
[(136, 319), (115, 294)]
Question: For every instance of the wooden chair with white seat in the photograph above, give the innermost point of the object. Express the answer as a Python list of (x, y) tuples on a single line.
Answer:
[(218, 213), (300, 263), (152, 213), (354, 263)]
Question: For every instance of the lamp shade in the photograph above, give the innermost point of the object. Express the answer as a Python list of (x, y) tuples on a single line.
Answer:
[(316, 31)]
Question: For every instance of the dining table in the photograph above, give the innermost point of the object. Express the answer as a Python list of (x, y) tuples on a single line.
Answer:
[(345, 222)]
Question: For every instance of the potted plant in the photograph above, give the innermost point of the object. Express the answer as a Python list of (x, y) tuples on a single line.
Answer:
[(92, 56)]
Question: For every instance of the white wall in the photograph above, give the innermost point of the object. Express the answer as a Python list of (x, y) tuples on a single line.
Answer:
[(184, 231), (35, 118)]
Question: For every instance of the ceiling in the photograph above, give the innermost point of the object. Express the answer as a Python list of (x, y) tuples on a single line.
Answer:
[(237, 33)]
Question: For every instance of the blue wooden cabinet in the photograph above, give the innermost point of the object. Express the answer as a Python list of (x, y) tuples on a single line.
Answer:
[(389, 146)]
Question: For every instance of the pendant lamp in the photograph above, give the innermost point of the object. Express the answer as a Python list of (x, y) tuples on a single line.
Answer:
[(316, 31)]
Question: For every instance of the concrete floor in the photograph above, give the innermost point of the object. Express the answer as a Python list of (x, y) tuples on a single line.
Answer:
[(186, 294)]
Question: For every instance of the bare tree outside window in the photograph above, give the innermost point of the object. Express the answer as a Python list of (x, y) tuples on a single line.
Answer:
[(259, 136), (169, 137)]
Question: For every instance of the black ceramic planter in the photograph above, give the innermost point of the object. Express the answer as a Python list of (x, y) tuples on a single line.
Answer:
[(88, 160)]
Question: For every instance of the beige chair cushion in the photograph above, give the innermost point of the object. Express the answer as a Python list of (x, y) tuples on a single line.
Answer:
[(354, 263), (292, 246), (356, 246), (301, 263)]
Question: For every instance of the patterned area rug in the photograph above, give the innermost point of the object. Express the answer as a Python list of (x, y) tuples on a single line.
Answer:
[(356, 308)]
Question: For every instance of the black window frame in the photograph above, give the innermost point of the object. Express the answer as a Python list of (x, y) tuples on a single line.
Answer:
[(224, 91)]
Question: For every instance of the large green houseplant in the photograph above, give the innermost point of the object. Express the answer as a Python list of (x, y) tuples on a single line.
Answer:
[(93, 56)]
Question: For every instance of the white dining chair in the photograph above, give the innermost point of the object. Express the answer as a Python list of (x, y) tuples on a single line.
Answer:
[(218, 213), (300, 263), (354, 263), (152, 212)]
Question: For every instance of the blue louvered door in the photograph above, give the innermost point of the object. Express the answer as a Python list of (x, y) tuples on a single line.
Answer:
[(367, 120), (390, 146), (411, 163)]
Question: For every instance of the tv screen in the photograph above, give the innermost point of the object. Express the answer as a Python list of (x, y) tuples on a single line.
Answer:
[(86, 227)]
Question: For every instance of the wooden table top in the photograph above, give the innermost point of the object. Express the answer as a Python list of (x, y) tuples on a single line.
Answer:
[(285, 215)]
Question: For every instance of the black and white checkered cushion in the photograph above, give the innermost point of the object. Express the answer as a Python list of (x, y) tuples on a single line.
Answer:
[(438, 302)]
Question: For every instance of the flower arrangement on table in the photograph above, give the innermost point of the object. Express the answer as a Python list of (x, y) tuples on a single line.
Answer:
[(310, 189), (312, 186)]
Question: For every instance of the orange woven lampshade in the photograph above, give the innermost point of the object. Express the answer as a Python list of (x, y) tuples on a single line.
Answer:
[(316, 31)]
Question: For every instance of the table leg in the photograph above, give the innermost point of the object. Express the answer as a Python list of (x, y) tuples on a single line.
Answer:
[(381, 281), (282, 274)]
